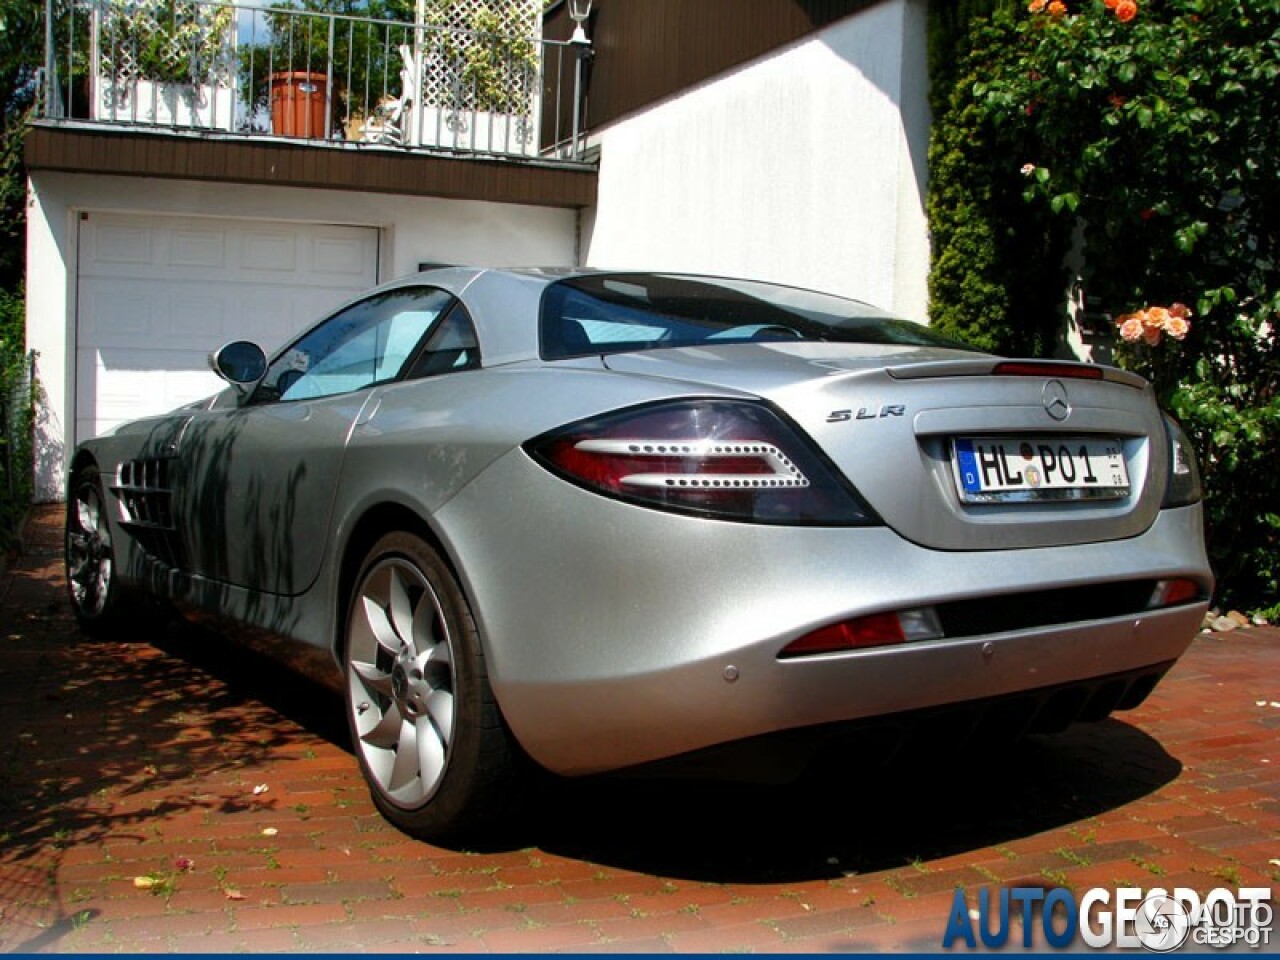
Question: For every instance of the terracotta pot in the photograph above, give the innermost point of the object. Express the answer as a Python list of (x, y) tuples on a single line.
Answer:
[(298, 104)]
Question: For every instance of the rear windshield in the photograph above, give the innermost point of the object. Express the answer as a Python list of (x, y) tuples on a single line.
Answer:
[(624, 312)]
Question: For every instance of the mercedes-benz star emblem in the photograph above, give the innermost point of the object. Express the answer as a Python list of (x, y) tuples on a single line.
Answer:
[(1055, 400)]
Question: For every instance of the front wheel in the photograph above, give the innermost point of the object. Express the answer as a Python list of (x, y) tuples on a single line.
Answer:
[(90, 558), (425, 724)]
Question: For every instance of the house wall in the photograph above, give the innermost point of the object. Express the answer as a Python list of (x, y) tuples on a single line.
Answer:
[(412, 229), (806, 166), (645, 52)]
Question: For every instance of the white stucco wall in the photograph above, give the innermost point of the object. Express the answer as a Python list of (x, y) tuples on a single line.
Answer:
[(413, 230), (805, 167)]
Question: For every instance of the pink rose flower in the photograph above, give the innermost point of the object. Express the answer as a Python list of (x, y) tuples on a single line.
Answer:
[(1131, 327)]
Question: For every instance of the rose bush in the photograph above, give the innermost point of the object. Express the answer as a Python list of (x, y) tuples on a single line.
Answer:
[(1148, 130)]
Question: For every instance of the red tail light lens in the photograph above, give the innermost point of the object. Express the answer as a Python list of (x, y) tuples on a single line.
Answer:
[(1172, 593), (718, 458), (1042, 368), (875, 630)]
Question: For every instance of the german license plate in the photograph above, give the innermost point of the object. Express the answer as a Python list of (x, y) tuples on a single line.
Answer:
[(1038, 469)]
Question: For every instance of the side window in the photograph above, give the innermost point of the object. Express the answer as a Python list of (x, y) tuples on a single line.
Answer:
[(451, 347), (367, 343)]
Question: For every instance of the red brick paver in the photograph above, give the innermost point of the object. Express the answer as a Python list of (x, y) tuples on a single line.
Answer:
[(121, 761)]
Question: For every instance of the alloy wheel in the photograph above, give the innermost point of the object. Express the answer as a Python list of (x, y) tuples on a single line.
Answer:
[(401, 682), (89, 557)]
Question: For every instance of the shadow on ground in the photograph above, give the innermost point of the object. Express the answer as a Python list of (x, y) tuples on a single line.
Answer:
[(845, 815)]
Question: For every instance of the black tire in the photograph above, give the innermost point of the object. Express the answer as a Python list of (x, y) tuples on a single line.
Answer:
[(426, 728), (96, 596)]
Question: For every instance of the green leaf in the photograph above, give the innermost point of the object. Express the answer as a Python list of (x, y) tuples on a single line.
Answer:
[(1068, 200)]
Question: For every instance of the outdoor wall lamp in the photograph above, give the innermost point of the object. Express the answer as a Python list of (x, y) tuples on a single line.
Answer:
[(579, 10)]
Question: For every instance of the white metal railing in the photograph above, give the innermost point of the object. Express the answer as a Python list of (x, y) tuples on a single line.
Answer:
[(497, 87)]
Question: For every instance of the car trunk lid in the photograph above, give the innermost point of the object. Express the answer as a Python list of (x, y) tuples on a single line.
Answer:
[(902, 424)]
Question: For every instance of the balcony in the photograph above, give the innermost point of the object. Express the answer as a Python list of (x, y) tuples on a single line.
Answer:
[(479, 82)]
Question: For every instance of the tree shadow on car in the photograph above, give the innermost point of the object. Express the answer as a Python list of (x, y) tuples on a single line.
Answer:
[(847, 816)]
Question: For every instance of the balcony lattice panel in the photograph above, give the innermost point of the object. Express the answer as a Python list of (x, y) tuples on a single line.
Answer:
[(174, 40), (484, 58)]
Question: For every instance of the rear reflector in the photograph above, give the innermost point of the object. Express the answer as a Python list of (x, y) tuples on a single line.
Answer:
[(876, 630), (1171, 593), (1035, 368)]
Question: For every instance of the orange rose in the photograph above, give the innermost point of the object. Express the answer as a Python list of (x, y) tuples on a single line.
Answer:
[(1035, 6), (1110, 4), (1176, 327), (1057, 8), (1126, 10), (1180, 310), (1155, 318), (1130, 327)]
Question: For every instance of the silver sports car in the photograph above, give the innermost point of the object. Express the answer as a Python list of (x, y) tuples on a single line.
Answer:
[(639, 520)]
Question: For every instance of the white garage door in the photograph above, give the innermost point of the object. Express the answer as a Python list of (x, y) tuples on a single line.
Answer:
[(156, 294)]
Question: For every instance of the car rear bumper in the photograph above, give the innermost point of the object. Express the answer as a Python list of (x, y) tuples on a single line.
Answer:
[(921, 735), (618, 635)]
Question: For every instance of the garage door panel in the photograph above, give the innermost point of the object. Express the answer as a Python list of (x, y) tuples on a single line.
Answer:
[(119, 244), (197, 319), (266, 251), (204, 249), (118, 313), (156, 294), (125, 381), (339, 257)]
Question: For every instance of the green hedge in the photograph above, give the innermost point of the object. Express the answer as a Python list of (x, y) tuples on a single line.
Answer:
[(16, 409)]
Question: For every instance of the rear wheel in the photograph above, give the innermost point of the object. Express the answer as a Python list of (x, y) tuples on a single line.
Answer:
[(90, 558), (426, 728)]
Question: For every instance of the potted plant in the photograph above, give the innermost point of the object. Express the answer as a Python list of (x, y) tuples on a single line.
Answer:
[(298, 49), (285, 74)]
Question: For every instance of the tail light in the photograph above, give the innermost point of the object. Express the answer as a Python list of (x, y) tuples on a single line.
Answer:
[(728, 459), (1047, 368), (876, 630), (1183, 487), (1175, 592)]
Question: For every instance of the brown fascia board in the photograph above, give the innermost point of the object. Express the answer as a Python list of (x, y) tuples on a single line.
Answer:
[(72, 147)]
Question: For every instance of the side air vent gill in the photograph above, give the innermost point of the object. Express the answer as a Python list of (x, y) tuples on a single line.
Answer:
[(145, 491)]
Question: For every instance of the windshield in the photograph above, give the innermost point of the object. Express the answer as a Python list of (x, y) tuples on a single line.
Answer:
[(624, 312)]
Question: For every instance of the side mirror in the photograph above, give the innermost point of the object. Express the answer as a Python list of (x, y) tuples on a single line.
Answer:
[(241, 363)]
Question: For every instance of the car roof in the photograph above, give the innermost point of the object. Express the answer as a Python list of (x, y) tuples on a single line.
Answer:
[(504, 302)]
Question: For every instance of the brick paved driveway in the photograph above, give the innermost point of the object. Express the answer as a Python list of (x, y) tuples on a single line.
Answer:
[(120, 761)]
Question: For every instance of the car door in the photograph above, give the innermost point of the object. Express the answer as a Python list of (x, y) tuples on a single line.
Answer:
[(257, 482)]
